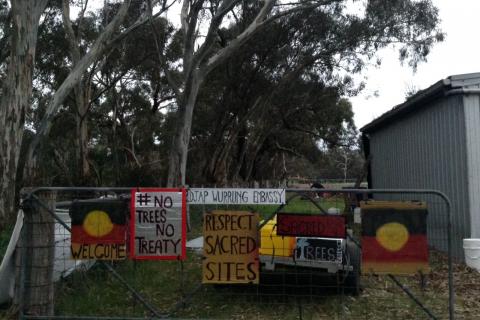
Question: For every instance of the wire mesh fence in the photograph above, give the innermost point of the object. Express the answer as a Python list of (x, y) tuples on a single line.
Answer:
[(300, 277)]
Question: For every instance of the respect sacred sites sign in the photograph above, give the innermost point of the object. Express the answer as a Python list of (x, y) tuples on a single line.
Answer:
[(230, 247), (158, 224)]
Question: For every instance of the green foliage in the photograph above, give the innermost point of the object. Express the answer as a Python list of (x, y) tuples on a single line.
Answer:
[(261, 115)]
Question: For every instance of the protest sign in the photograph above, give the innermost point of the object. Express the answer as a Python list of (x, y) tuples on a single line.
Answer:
[(158, 224), (311, 225), (98, 229), (235, 196), (230, 247), (394, 237)]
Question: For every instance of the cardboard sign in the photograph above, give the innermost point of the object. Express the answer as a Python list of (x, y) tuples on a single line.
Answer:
[(230, 247), (235, 196), (98, 229), (304, 225), (158, 224), (394, 237)]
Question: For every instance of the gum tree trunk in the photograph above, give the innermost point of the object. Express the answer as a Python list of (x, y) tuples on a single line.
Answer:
[(179, 152), (82, 97), (197, 64), (16, 97)]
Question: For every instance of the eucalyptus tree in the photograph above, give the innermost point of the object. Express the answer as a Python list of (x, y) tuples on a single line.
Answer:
[(17, 85), (16, 92), (199, 60), (5, 33), (126, 92), (412, 24), (281, 92)]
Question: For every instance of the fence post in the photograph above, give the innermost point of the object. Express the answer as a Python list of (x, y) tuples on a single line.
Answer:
[(35, 290)]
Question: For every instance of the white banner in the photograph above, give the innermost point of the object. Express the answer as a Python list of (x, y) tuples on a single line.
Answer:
[(235, 196)]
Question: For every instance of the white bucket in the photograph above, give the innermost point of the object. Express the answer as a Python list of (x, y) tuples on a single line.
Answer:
[(472, 253)]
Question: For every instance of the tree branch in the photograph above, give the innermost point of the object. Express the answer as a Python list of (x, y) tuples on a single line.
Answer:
[(70, 35), (98, 48), (236, 43), (171, 81), (189, 24), (287, 150), (212, 30)]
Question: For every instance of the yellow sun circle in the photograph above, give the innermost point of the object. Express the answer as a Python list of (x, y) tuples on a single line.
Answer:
[(392, 236), (97, 223)]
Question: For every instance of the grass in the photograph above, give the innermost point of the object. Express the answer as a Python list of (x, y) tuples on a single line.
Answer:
[(164, 284), (97, 293)]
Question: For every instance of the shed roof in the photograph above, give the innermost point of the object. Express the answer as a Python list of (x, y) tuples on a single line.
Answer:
[(457, 84)]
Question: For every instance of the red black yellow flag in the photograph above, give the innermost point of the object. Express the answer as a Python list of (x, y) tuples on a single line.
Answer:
[(394, 237), (99, 229)]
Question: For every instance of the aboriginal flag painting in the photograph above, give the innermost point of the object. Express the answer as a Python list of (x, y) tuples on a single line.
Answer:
[(101, 221), (394, 237)]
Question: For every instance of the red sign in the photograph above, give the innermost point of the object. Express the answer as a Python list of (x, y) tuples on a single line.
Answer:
[(302, 225), (158, 224)]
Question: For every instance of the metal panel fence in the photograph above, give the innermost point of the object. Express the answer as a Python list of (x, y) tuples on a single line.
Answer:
[(428, 150), (85, 289)]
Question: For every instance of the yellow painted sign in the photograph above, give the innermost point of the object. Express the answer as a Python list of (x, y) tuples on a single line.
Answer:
[(230, 247)]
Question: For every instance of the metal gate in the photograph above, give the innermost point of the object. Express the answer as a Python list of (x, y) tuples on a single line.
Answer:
[(173, 289)]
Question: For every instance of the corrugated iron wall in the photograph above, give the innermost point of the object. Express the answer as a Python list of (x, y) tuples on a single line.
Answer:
[(472, 121), (427, 149)]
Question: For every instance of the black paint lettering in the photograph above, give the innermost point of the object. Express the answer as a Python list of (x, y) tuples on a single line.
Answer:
[(165, 230), (168, 203), (75, 254), (141, 244), (175, 245), (209, 222), (229, 270), (211, 272), (234, 245), (240, 271), (209, 249), (252, 275), (100, 255)]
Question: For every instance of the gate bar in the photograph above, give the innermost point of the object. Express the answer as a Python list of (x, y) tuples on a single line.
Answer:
[(451, 297), (410, 294)]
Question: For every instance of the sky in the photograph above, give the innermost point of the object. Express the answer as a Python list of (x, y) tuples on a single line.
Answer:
[(459, 53)]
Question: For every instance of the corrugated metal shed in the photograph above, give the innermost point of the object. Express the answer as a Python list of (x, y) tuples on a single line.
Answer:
[(432, 141)]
